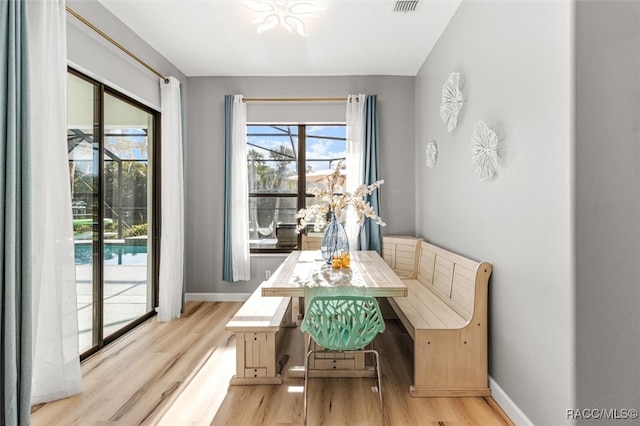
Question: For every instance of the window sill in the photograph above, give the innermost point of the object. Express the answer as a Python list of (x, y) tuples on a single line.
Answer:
[(281, 254)]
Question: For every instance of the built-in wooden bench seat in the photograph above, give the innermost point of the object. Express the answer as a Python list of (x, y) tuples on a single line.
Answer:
[(257, 326), (401, 254), (312, 241), (446, 315)]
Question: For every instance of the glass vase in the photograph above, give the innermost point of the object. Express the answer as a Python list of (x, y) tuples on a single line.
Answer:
[(334, 241)]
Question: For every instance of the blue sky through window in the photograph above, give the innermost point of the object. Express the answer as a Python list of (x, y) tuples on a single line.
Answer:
[(324, 142)]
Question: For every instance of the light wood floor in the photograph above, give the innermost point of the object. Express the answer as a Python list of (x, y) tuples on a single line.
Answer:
[(178, 373)]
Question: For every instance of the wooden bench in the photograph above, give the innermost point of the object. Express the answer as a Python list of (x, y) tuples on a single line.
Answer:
[(401, 254), (311, 241), (257, 326), (446, 315)]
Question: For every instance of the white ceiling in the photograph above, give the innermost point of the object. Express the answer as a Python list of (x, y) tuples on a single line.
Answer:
[(350, 37)]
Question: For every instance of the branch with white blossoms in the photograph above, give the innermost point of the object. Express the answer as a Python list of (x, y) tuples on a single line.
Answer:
[(330, 202)]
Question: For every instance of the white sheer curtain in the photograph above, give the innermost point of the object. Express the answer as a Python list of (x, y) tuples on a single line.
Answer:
[(172, 203), (239, 192), (355, 160), (56, 366)]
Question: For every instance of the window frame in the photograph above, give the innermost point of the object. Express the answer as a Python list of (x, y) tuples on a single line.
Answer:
[(101, 90), (301, 195)]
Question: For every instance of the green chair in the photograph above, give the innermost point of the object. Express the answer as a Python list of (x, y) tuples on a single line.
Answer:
[(342, 323)]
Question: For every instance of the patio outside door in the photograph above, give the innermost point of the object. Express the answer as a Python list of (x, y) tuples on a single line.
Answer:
[(111, 142)]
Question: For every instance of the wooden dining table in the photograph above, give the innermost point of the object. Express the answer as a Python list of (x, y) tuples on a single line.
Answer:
[(304, 269), (367, 274)]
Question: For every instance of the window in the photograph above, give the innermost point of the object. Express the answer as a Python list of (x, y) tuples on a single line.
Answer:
[(284, 162)]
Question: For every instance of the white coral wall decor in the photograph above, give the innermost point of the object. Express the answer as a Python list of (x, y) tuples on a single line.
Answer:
[(451, 101), (484, 151), (431, 154)]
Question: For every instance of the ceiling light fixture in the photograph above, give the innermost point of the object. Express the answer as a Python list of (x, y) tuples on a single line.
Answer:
[(287, 13)]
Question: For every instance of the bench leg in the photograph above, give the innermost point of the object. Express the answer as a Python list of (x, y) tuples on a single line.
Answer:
[(256, 359), (450, 363)]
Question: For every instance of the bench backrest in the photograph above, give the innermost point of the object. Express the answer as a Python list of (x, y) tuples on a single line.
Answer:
[(451, 277), (401, 254)]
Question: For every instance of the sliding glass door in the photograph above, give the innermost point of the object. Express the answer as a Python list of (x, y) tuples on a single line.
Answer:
[(112, 143)]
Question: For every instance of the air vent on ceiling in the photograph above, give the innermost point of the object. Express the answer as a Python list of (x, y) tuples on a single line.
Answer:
[(405, 6)]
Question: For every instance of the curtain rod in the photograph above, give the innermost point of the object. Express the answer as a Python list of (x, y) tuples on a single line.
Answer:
[(115, 43), (295, 99)]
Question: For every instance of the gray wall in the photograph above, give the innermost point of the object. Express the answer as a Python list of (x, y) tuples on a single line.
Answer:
[(608, 204), (91, 54), (515, 59), (205, 157)]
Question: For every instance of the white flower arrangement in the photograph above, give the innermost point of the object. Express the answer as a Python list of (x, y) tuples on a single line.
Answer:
[(332, 199)]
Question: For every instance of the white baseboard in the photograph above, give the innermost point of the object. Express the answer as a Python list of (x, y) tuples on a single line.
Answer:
[(217, 297), (508, 406)]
